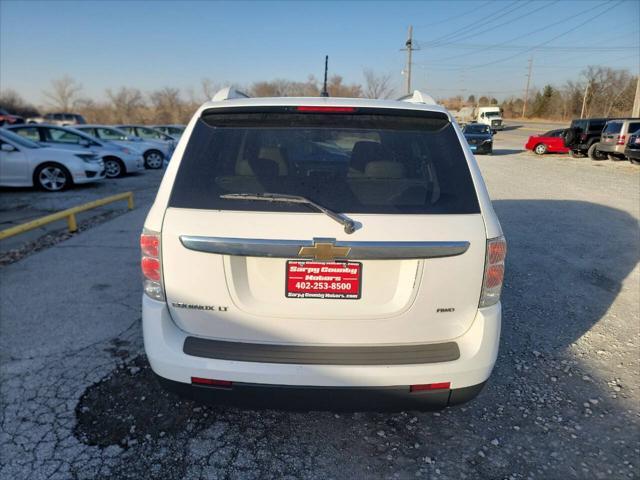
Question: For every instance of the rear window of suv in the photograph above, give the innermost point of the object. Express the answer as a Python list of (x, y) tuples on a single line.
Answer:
[(613, 127), (365, 161)]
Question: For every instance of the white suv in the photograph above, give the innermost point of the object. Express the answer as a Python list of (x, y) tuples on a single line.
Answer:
[(326, 251)]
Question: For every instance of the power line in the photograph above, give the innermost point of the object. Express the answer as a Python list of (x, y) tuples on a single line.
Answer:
[(455, 17), (571, 48), (508, 42), (474, 24), (551, 39), (520, 16)]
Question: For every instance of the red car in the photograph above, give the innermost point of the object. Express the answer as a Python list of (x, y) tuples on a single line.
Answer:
[(549, 142), (6, 117)]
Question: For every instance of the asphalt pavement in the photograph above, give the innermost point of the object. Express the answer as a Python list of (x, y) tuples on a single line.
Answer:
[(78, 400)]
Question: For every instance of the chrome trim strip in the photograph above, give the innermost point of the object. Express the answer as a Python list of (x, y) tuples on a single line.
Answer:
[(249, 247)]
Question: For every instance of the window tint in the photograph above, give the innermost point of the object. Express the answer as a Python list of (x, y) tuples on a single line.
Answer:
[(596, 125), (354, 163), (476, 128), (61, 136), (57, 116), (613, 127), (12, 137), (28, 132), (633, 126), (88, 131), (579, 124), (111, 134), (149, 133)]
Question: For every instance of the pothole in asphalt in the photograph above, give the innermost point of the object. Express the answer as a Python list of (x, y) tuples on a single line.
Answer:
[(129, 407)]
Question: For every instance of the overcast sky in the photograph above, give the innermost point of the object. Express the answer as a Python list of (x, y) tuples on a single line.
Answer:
[(479, 47)]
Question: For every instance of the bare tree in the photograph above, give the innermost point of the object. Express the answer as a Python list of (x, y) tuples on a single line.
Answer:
[(209, 88), (377, 86), (338, 89), (285, 88), (167, 104), (64, 93), (11, 101), (126, 104)]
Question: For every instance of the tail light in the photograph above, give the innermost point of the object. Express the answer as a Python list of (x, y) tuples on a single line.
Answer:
[(430, 386), (621, 139), (493, 271), (211, 382), (312, 109), (583, 137), (151, 265)]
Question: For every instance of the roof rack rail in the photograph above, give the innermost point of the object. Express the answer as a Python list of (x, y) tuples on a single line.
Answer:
[(418, 97), (228, 93)]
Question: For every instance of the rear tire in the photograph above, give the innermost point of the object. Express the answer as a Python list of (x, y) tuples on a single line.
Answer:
[(540, 149), (52, 177), (153, 159), (595, 154), (635, 161)]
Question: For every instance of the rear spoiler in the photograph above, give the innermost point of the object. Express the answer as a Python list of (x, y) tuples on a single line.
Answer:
[(229, 93)]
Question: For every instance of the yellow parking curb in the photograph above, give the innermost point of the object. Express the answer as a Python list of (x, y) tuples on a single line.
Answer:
[(69, 214)]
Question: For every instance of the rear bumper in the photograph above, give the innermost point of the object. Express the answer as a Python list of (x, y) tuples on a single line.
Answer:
[(611, 148), (247, 395), (632, 153), (164, 345)]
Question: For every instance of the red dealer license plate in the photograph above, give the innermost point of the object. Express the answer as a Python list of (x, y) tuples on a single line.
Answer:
[(329, 280)]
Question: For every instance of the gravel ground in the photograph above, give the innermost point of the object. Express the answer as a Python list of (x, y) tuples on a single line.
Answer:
[(563, 401)]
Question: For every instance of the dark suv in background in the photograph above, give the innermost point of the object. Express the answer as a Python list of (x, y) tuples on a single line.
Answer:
[(583, 135), (632, 151)]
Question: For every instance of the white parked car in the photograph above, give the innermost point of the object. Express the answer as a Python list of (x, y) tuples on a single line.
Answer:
[(154, 152), (118, 160), (164, 143), (24, 163), (326, 251)]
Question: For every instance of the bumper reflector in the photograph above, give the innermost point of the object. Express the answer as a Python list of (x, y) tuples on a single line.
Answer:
[(430, 386), (211, 382)]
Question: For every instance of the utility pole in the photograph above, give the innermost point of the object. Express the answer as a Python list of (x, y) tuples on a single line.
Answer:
[(584, 99), (635, 112), (409, 48), (526, 90)]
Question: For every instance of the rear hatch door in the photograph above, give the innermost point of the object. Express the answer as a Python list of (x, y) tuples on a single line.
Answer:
[(262, 271)]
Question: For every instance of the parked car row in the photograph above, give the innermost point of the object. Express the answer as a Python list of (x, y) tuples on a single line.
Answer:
[(46, 155), (597, 138)]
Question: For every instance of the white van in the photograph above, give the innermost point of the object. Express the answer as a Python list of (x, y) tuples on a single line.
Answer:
[(323, 252)]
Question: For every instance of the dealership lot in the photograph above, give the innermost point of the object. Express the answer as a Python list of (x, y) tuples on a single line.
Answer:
[(79, 400)]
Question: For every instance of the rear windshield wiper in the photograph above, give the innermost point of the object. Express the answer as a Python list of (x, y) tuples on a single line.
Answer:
[(348, 224)]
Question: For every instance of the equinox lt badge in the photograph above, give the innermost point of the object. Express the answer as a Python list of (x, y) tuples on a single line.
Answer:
[(192, 306)]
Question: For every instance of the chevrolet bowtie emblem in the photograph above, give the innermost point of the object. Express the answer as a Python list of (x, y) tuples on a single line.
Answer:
[(324, 250)]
